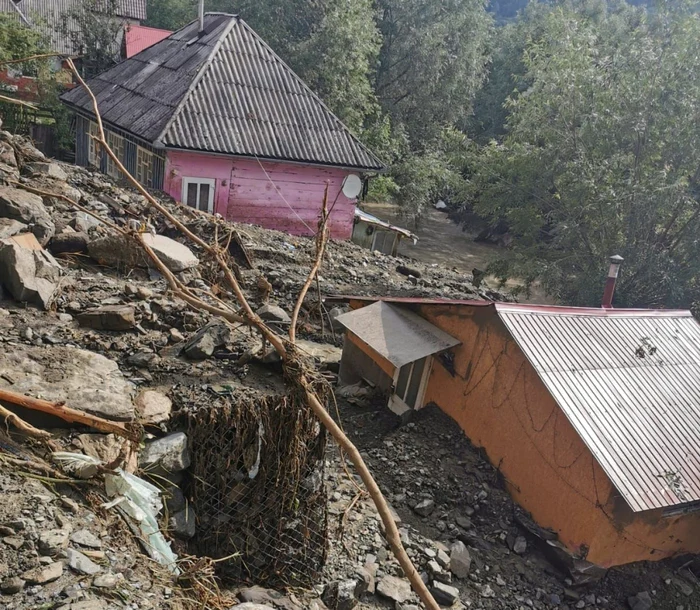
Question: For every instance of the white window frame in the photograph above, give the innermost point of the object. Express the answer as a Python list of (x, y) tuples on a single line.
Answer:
[(186, 181), (144, 166), (396, 403)]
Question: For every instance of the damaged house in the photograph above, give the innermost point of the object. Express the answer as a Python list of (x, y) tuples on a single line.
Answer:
[(213, 117), (591, 415)]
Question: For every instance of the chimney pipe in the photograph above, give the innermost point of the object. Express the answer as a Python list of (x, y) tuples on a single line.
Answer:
[(201, 16), (615, 262)]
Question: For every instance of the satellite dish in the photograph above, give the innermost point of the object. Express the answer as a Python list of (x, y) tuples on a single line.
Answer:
[(352, 186)]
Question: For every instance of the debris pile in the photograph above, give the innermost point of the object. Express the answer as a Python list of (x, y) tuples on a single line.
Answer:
[(239, 465)]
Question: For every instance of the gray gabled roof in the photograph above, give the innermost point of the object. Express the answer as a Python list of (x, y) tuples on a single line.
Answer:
[(47, 17), (222, 91), (397, 334)]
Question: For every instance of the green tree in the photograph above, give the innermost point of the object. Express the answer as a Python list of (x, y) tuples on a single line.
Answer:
[(601, 157), (95, 33), (170, 14), (432, 62)]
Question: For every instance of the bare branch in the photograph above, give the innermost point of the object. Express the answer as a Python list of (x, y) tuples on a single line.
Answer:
[(321, 241)]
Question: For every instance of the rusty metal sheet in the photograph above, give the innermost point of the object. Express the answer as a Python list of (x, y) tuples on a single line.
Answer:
[(629, 383), (223, 92), (398, 335)]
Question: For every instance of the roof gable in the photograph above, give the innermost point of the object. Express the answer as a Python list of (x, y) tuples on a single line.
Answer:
[(629, 383), (235, 97)]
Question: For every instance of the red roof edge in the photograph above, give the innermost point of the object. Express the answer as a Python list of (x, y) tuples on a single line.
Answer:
[(523, 307), (139, 37)]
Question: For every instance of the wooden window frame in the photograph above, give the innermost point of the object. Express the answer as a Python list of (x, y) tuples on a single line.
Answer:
[(117, 144), (144, 166)]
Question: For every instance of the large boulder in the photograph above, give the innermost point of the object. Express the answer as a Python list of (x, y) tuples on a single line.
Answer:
[(28, 208), (123, 251), (84, 380), (69, 241), (51, 169), (109, 317), (28, 272)]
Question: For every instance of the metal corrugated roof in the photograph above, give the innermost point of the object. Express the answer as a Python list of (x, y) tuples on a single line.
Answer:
[(47, 17), (373, 220), (397, 334), (629, 383), (225, 92)]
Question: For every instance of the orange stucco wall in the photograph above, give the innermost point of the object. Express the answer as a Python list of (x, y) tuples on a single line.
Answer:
[(502, 405)]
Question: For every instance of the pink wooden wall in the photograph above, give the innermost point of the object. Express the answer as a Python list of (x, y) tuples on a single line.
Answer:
[(244, 193)]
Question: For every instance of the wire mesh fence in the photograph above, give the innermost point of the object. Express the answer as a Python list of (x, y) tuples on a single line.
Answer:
[(257, 488)]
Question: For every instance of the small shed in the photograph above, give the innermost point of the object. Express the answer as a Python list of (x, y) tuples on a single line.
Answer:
[(376, 234), (591, 415), (213, 116)]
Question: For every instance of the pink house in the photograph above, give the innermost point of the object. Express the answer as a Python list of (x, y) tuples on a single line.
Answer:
[(213, 117)]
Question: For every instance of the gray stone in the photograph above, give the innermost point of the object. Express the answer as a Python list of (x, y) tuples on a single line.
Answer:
[(52, 542), (51, 169), (86, 538), (68, 242), (84, 222), (251, 606), (641, 601), (124, 252), (142, 359), (153, 407), (424, 507), (460, 560), (340, 595), (174, 255), (44, 574), (174, 499), (520, 545), (486, 591), (444, 594), (109, 317), (464, 522), (10, 227), (169, 452), (106, 581), (183, 524), (365, 582), (29, 209), (85, 380), (265, 597), (274, 313), (683, 586), (206, 340), (31, 275), (394, 588), (12, 585), (82, 564), (14, 542), (443, 559)]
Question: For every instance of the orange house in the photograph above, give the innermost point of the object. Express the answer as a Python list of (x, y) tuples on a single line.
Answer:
[(592, 415)]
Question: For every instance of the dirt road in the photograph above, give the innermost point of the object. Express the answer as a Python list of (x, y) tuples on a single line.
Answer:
[(442, 242)]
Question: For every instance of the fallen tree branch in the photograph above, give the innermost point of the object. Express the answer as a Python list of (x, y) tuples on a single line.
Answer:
[(28, 429), (321, 241), (12, 100), (294, 369), (69, 415)]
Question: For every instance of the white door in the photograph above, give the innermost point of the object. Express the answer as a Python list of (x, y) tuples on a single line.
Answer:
[(198, 193), (409, 386)]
